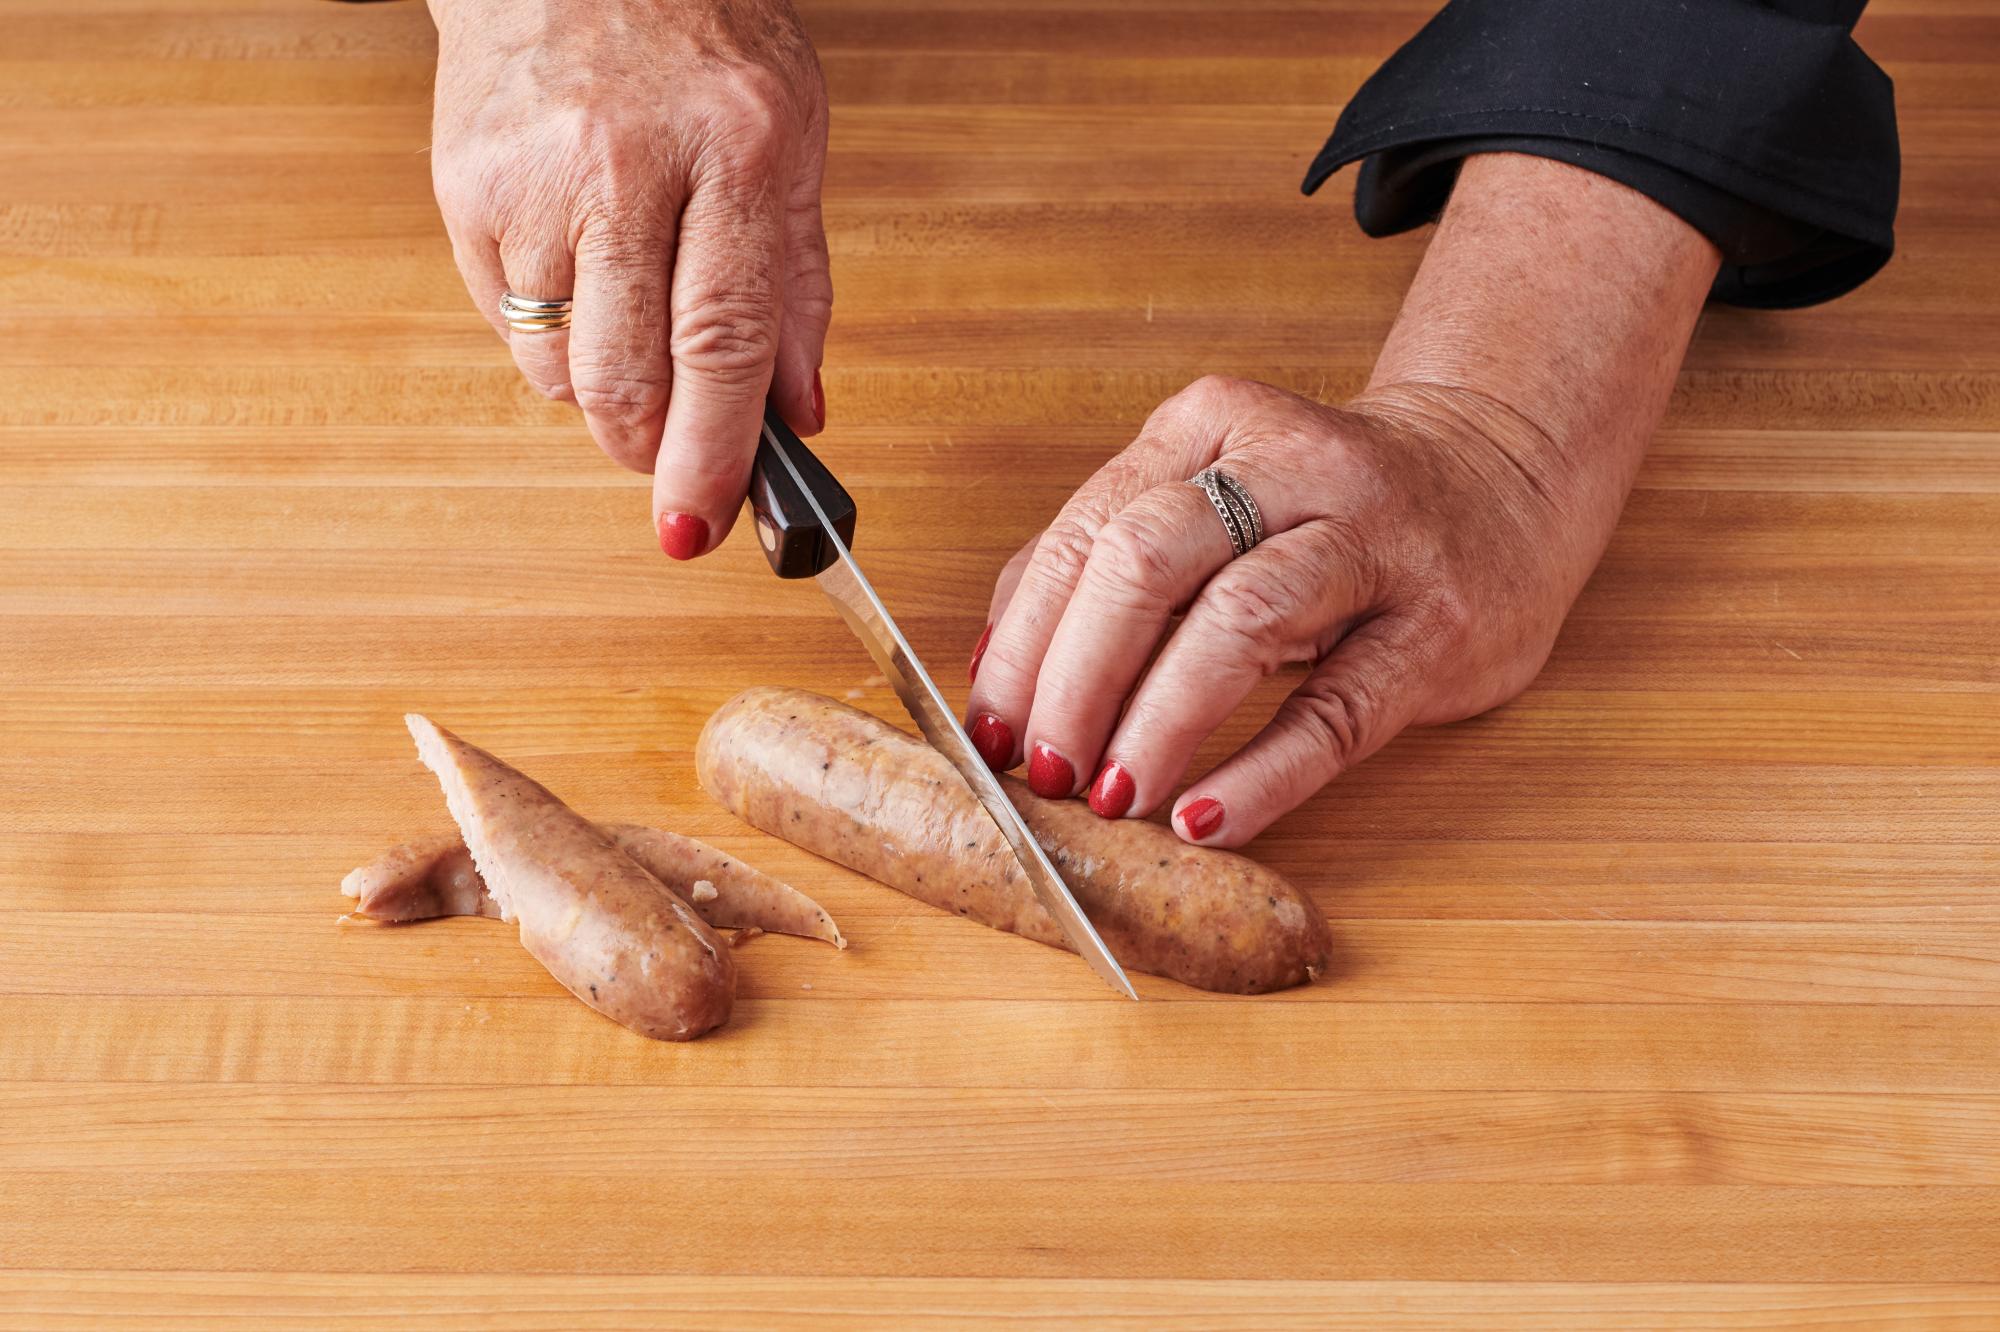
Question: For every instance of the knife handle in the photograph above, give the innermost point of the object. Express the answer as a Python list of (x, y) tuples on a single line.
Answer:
[(790, 532)]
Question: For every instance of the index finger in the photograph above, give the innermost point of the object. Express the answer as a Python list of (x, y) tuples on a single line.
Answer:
[(727, 303), (1182, 437)]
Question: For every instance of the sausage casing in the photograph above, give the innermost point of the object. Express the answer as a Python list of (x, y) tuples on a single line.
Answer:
[(615, 936), (849, 787), (434, 876)]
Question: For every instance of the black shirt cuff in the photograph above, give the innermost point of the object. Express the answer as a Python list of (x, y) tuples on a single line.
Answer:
[(1769, 132)]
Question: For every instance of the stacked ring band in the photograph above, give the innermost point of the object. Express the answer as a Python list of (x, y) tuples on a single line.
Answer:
[(526, 315), (1241, 517)]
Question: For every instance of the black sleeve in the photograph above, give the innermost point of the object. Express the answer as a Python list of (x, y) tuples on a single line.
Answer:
[(1760, 122)]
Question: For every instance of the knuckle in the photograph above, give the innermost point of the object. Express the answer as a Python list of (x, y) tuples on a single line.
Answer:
[(752, 118), (1167, 728), (1449, 614), (1212, 393), (1335, 716), (733, 340), (1208, 399), (1064, 550), (1134, 562), (616, 163), (809, 299), (629, 246), (760, 97), (620, 400), (1256, 612)]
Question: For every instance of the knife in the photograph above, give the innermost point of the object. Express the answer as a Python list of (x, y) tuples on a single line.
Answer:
[(805, 523)]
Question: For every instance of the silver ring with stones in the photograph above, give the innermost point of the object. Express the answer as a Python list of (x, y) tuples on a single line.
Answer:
[(1239, 513)]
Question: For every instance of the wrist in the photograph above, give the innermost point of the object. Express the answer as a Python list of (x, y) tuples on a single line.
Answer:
[(1559, 297), (1475, 427), (1489, 461)]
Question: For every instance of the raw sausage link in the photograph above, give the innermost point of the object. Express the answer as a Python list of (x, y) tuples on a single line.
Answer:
[(847, 786)]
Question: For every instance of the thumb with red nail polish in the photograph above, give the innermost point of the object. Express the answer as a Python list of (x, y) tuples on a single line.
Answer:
[(683, 535)]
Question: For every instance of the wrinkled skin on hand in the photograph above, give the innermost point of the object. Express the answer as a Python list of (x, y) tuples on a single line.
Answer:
[(1413, 559), (661, 164), (1423, 543)]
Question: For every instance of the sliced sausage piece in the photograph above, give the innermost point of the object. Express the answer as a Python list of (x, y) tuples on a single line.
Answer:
[(420, 880), (745, 898), (615, 936), (847, 786), (434, 876)]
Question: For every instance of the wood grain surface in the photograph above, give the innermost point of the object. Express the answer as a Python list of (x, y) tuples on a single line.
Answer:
[(1666, 997)]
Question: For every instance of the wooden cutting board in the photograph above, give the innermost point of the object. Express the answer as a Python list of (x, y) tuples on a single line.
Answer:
[(1665, 997)]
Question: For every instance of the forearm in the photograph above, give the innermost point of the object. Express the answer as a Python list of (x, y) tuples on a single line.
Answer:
[(1551, 313)]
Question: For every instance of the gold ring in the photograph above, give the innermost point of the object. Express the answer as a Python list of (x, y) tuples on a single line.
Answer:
[(525, 314)]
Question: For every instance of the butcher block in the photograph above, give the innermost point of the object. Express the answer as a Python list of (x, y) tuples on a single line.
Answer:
[(1667, 996)]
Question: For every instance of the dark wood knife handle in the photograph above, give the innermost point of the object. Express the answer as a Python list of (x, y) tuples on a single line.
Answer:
[(790, 532)]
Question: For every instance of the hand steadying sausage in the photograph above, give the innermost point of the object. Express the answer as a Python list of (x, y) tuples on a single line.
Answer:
[(660, 164), (1422, 544)]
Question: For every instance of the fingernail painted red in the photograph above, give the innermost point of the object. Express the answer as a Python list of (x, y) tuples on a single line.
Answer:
[(1050, 775), (994, 740), (819, 401), (1202, 818), (972, 671), (682, 535), (1111, 794)]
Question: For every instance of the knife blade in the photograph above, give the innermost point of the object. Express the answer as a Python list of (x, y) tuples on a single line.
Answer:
[(796, 549)]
